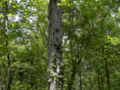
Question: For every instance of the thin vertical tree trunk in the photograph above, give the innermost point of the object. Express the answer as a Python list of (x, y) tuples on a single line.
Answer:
[(4, 82), (70, 84), (75, 66), (54, 43), (102, 82), (74, 71), (80, 72), (106, 69), (80, 60), (4, 77), (107, 74), (6, 37), (99, 84)]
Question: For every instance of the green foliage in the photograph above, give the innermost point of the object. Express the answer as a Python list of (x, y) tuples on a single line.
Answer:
[(91, 36)]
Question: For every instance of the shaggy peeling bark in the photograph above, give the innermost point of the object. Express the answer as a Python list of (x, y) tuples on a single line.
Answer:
[(54, 44)]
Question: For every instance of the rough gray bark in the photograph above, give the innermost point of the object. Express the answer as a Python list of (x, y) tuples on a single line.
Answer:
[(54, 43)]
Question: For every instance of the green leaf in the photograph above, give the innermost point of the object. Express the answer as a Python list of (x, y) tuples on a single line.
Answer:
[(1, 15), (14, 6), (59, 4), (10, 15), (68, 4), (119, 11), (13, 24)]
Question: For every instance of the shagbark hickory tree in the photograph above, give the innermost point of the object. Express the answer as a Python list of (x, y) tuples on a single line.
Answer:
[(54, 43)]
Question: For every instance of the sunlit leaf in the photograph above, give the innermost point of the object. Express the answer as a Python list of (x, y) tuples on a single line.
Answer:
[(10, 15)]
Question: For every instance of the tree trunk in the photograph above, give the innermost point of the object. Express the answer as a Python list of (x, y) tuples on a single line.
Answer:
[(80, 72), (102, 81), (107, 74), (99, 84), (106, 69), (6, 37), (70, 84), (54, 44), (4, 77)]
